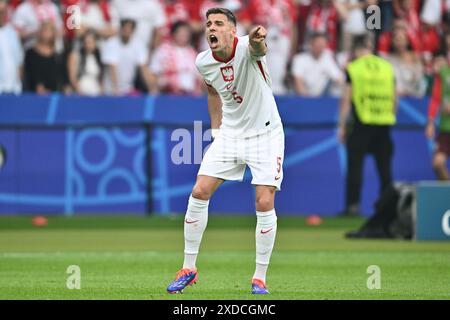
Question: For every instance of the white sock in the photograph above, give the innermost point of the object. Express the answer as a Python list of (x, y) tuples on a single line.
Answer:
[(194, 225), (266, 229), (260, 272)]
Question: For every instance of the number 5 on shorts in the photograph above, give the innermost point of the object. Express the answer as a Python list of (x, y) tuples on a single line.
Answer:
[(278, 176)]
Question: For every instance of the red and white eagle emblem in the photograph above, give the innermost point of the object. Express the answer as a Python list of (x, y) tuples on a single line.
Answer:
[(227, 73)]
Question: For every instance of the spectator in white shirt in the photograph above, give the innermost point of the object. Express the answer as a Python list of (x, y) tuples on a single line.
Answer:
[(316, 72), (11, 55), (353, 21), (124, 56), (431, 13), (85, 67), (150, 19), (408, 69), (31, 14), (173, 63), (100, 16)]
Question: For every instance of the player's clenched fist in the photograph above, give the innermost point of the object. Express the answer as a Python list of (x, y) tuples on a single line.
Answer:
[(257, 42), (257, 34)]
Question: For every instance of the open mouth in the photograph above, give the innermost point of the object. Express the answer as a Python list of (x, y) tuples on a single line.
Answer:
[(213, 39)]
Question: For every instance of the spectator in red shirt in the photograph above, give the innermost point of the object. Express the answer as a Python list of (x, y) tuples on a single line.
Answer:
[(69, 33), (279, 18), (430, 45), (31, 14), (402, 6), (385, 40), (14, 3), (323, 18), (176, 11), (408, 10)]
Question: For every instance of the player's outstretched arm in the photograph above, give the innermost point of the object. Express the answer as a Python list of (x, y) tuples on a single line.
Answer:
[(257, 41), (214, 108)]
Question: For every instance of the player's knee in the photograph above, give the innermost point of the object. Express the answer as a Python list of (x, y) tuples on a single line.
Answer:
[(200, 192), (264, 203), (439, 161)]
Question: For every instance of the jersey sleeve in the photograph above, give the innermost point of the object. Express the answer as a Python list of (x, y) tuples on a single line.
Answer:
[(199, 65), (244, 43)]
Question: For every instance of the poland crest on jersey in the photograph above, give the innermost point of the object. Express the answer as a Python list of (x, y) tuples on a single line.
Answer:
[(227, 73)]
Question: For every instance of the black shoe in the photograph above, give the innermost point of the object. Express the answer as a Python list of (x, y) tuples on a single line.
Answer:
[(369, 233)]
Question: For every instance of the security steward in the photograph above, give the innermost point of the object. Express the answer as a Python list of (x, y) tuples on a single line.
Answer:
[(369, 95)]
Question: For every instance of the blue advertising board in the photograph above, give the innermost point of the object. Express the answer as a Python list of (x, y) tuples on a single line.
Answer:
[(82, 155)]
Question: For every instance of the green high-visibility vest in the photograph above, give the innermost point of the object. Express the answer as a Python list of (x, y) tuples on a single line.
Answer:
[(444, 123), (373, 90)]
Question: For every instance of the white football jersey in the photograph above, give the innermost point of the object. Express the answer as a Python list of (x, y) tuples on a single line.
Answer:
[(244, 86)]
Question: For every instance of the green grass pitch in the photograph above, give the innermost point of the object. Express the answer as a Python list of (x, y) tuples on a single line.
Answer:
[(135, 258)]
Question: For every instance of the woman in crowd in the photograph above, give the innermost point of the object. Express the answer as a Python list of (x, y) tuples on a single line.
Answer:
[(407, 66), (44, 67), (85, 67)]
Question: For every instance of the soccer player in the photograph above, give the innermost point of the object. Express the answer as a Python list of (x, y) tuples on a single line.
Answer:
[(440, 103), (247, 131)]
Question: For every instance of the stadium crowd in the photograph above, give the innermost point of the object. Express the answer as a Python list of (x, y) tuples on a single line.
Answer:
[(126, 47)]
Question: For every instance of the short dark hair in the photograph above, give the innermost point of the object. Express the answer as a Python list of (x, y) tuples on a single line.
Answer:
[(125, 21), (179, 24), (362, 42), (228, 13)]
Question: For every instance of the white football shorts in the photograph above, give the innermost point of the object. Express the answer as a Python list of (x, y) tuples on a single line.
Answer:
[(227, 158)]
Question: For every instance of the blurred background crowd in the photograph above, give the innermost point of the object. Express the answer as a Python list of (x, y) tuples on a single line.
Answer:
[(126, 47)]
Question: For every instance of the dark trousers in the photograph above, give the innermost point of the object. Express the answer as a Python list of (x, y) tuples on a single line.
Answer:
[(365, 139)]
